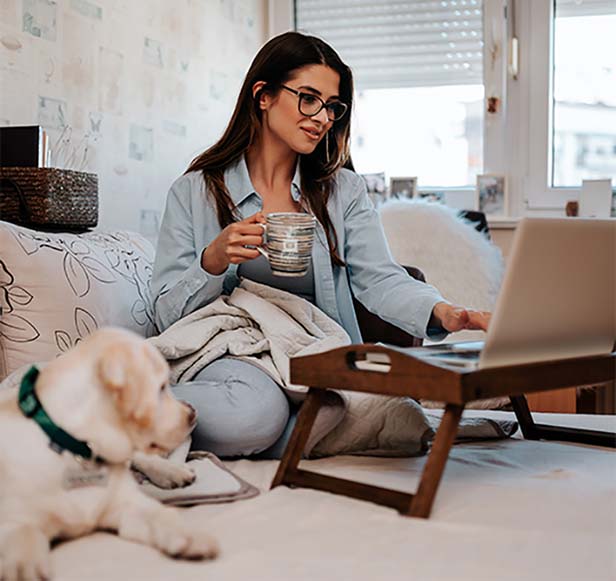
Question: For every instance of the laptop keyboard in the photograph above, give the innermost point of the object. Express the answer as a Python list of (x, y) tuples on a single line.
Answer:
[(456, 354)]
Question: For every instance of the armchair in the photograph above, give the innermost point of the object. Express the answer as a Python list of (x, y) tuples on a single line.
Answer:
[(374, 329)]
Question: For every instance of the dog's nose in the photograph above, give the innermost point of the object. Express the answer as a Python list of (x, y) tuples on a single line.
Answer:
[(192, 413)]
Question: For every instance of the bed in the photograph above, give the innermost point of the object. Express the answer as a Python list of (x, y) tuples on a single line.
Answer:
[(506, 509)]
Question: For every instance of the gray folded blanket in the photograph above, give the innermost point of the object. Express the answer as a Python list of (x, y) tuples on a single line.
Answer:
[(214, 483), (378, 425), (267, 327)]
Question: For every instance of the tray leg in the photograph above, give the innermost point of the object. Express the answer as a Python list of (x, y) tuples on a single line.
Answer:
[(297, 442), (421, 503), (525, 418), (533, 431), (417, 505)]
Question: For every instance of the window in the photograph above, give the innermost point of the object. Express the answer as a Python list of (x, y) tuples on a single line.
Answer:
[(434, 133), (556, 123), (419, 89), (584, 105), (568, 77)]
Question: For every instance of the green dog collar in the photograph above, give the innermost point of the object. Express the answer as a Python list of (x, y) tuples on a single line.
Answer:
[(31, 407)]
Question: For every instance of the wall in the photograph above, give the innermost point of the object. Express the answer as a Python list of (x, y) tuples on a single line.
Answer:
[(131, 90)]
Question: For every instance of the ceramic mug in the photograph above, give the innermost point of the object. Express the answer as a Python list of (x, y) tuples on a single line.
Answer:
[(288, 242)]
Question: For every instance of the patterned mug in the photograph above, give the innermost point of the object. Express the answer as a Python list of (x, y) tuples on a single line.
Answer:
[(288, 242)]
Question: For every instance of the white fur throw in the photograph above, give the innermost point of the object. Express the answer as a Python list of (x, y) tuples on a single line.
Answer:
[(457, 259)]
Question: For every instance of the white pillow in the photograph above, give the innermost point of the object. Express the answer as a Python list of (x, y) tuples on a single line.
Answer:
[(57, 288)]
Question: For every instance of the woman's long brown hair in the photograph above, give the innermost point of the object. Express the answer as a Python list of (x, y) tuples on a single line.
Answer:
[(275, 64)]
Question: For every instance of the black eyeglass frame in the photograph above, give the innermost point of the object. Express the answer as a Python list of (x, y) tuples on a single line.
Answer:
[(324, 105)]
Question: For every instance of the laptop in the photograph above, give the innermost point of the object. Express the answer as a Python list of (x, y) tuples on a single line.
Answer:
[(557, 299)]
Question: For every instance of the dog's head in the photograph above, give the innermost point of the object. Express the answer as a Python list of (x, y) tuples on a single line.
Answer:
[(136, 376)]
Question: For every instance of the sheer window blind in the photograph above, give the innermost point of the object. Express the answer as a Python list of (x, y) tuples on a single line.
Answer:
[(566, 8), (400, 44)]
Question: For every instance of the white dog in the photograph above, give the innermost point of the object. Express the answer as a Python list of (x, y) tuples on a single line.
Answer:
[(108, 397)]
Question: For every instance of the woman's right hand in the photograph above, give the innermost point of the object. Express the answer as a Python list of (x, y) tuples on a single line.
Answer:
[(230, 246)]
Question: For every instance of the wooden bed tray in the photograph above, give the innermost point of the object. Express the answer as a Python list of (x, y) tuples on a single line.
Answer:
[(400, 374)]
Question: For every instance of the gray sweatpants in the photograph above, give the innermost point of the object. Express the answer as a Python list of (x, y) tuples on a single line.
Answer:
[(241, 410)]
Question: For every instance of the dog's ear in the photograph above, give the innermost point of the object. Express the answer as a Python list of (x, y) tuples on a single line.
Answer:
[(112, 367), (120, 368)]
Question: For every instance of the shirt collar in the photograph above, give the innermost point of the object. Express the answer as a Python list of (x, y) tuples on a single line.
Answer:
[(240, 187)]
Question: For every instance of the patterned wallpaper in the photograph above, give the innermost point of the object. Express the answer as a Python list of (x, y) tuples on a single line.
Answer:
[(129, 89)]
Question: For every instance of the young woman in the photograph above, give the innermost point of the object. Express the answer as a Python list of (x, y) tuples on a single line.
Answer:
[(284, 150)]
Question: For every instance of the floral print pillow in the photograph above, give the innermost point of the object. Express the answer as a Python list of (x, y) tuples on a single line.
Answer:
[(55, 289)]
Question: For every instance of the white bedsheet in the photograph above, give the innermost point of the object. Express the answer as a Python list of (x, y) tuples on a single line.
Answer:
[(509, 509)]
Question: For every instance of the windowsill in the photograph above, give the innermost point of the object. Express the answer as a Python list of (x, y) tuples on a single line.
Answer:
[(502, 223)]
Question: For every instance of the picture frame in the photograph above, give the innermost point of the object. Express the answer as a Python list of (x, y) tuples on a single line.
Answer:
[(491, 193), (403, 187), (596, 199)]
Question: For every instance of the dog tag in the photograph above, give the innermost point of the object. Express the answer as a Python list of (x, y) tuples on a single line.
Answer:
[(80, 477)]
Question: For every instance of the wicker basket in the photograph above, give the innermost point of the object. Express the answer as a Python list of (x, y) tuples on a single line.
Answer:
[(49, 198)]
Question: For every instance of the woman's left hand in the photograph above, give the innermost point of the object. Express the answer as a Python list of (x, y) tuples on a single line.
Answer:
[(453, 318)]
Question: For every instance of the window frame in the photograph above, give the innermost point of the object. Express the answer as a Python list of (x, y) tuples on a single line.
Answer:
[(540, 120)]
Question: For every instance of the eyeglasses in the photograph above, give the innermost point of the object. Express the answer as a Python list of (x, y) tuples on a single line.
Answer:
[(311, 105)]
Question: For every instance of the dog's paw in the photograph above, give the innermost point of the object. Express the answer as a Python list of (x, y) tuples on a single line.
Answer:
[(24, 555), (178, 539), (196, 545), (173, 476), (163, 472), (166, 530)]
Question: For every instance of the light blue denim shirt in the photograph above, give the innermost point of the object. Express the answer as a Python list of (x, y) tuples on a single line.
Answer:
[(179, 284)]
